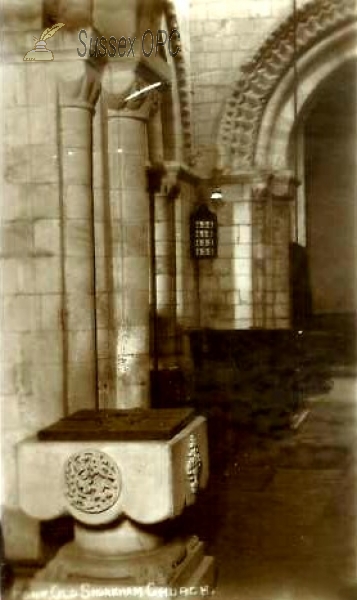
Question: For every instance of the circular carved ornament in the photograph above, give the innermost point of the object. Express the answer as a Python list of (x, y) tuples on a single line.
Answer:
[(92, 481)]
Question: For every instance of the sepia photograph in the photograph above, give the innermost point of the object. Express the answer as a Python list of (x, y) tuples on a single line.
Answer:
[(178, 282)]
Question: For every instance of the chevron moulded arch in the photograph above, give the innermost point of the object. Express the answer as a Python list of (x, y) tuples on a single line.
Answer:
[(326, 36), (183, 83)]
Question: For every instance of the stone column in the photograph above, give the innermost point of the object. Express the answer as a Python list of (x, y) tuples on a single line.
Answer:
[(77, 95), (165, 242), (283, 195), (260, 251), (271, 238), (155, 134), (130, 218), (164, 249)]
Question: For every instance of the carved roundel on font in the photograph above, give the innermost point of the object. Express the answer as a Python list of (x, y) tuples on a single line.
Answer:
[(92, 481)]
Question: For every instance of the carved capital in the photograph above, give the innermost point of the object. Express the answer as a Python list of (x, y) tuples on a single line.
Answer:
[(283, 185), (127, 101), (125, 93), (79, 84), (277, 185), (260, 189)]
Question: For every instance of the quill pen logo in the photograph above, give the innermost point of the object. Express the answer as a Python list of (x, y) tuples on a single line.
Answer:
[(40, 51)]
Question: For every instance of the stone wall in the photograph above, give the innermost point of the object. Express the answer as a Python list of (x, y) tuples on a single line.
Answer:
[(32, 387), (226, 282), (247, 285), (270, 265), (186, 278)]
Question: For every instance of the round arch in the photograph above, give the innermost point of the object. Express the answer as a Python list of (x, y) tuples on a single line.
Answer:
[(258, 119), (184, 122), (276, 134)]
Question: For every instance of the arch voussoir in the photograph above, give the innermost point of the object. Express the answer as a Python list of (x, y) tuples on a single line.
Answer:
[(244, 111)]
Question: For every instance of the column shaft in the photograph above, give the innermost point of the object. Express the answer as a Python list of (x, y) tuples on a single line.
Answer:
[(78, 256), (165, 272), (155, 136), (130, 234), (271, 238)]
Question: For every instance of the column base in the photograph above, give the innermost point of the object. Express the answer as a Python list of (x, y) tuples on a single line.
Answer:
[(177, 568)]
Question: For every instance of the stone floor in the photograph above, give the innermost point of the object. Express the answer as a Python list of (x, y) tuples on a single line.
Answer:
[(280, 515)]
